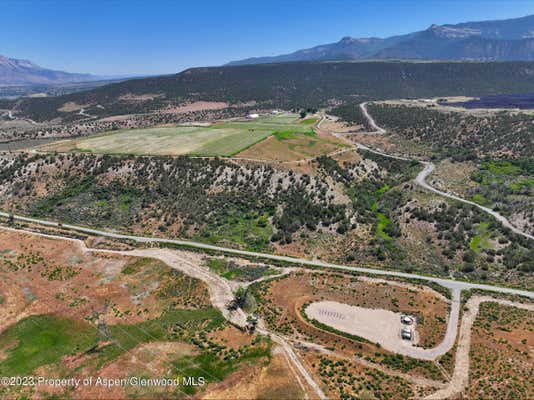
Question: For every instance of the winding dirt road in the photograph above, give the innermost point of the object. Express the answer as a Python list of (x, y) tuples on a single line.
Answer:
[(221, 290), (427, 170), (421, 181), (460, 376), (221, 293), (370, 119)]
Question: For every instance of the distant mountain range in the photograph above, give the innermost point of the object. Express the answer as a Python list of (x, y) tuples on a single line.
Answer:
[(502, 40), (15, 72)]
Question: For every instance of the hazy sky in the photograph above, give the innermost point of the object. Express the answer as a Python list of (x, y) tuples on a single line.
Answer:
[(152, 36)]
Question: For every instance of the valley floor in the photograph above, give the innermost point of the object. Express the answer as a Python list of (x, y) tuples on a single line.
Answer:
[(322, 344)]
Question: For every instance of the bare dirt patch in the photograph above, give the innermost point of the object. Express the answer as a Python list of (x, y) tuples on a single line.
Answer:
[(231, 337), (376, 325), (454, 177), (502, 351), (334, 124), (282, 302), (139, 97), (196, 106), (70, 107)]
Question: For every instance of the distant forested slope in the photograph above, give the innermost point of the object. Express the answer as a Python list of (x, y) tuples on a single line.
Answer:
[(294, 85), (457, 133)]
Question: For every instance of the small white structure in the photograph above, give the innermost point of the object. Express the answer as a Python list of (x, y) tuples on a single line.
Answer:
[(275, 112), (407, 320), (407, 333), (253, 116)]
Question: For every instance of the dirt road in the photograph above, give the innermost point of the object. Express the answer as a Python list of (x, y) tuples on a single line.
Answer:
[(220, 289), (421, 181), (221, 292), (460, 376), (418, 380), (448, 283), (381, 326), (427, 170), (378, 130)]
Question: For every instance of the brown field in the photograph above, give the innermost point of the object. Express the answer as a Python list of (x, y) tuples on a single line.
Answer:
[(502, 351), (42, 276), (295, 148), (149, 359), (342, 377), (283, 300), (272, 381), (70, 107), (335, 124), (197, 106)]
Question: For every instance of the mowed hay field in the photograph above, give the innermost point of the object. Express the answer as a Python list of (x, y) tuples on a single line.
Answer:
[(220, 139)]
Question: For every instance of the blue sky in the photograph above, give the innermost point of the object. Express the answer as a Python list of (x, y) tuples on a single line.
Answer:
[(154, 37)]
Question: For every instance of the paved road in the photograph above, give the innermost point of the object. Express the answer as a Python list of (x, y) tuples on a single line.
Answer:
[(449, 283), (427, 170)]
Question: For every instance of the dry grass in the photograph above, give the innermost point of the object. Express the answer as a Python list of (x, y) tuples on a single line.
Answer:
[(502, 350), (43, 276), (298, 147)]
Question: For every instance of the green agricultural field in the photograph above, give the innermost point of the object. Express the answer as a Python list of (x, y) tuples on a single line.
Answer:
[(220, 139), (42, 340)]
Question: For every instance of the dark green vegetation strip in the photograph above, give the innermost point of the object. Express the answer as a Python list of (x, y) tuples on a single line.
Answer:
[(375, 199)]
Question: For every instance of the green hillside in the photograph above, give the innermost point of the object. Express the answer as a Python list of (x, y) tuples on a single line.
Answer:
[(294, 85)]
